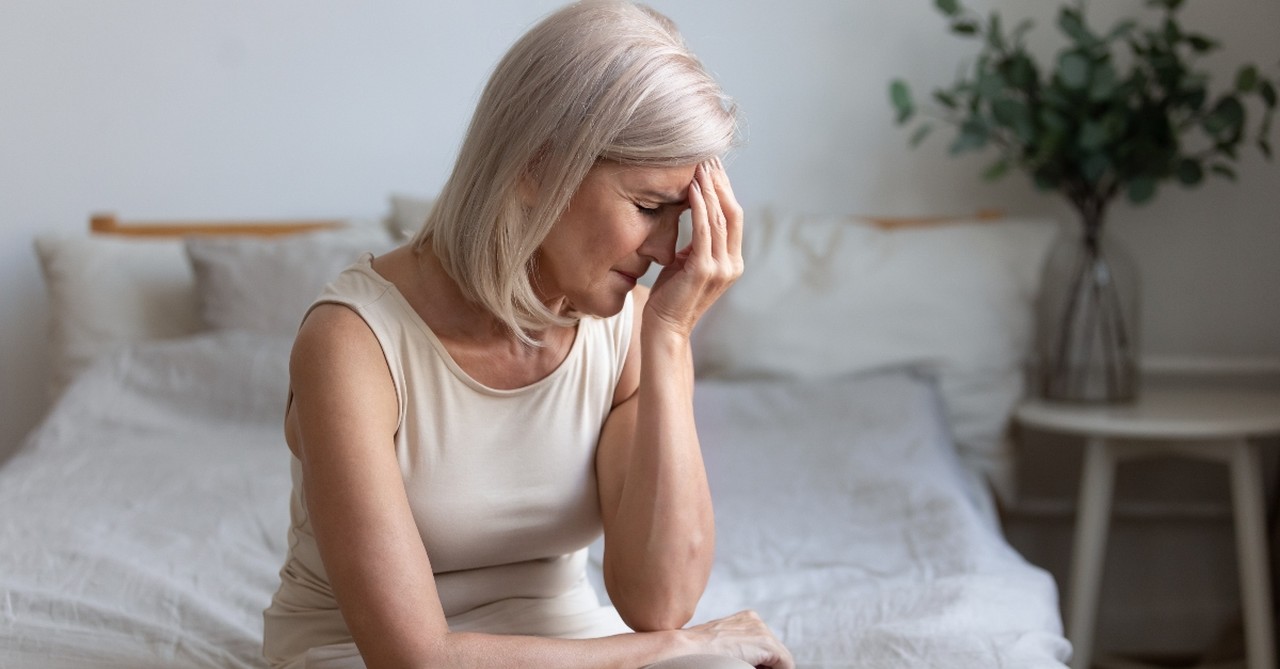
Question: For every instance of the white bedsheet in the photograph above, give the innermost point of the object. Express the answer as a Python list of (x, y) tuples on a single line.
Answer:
[(845, 519), (143, 523)]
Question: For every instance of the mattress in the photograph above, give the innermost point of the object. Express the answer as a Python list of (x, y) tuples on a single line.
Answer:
[(143, 523)]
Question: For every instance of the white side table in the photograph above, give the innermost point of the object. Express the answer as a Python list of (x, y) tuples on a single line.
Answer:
[(1213, 424)]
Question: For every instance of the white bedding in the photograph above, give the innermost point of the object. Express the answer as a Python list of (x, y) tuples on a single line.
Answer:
[(143, 523), (845, 518)]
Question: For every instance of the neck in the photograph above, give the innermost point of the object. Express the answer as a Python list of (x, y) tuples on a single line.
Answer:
[(452, 314)]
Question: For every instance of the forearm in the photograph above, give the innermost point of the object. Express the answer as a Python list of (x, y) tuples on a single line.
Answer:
[(659, 544), (464, 650)]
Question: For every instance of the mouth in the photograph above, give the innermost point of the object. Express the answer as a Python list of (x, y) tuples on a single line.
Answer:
[(631, 278)]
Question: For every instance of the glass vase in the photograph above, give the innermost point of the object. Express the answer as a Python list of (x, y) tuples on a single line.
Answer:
[(1087, 320)]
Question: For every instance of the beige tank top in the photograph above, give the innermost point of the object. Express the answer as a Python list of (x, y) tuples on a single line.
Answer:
[(501, 482)]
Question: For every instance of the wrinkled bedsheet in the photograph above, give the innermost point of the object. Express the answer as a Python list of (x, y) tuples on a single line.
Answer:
[(143, 524), (844, 517)]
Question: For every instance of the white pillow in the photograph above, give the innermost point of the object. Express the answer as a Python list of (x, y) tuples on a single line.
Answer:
[(408, 213), (265, 285), (827, 296), (105, 292)]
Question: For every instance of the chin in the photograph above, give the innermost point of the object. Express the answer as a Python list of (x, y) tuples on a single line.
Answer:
[(601, 305)]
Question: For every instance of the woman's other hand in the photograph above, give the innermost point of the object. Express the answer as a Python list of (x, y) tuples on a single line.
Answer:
[(743, 635), (712, 261)]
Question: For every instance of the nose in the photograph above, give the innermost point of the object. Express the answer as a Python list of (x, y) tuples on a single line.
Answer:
[(660, 245)]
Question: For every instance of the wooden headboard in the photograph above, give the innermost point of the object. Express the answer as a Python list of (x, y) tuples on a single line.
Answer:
[(108, 224), (894, 222)]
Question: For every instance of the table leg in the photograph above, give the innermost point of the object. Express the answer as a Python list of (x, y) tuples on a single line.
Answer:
[(1089, 549), (1251, 544)]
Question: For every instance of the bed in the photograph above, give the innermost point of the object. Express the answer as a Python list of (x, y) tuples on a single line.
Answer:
[(852, 468)]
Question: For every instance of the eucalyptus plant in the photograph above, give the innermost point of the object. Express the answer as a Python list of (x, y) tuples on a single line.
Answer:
[(1119, 111)]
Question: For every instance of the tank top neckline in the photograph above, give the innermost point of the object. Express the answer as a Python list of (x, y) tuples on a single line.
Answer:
[(365, 265)]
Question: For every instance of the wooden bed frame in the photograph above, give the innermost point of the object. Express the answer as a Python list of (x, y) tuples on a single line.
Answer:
[(895, 222), (109, 224)]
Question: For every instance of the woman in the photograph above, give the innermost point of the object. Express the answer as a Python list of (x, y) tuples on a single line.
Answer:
[(469, 411)]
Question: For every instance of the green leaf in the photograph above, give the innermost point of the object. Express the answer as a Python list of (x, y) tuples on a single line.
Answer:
[(948, 7), (1057, 98), (973, 136), (920, 133), (1247, 79), (1121, 29), (1093, 136), (1265, 147), (1142, 190), (1138, 82), (964, 27), (1093, 167), (945, 99), (1194, 98), (1226, 119), (1053, 120), (1046, 181), (1021, 72), (1268, 93), (1071, 22), (996, 170), (1223, 171), (900, 95), (1073, 69), (994, 36), (1104, 82), (1190, 172), (1201, 44), (990, 84), (1049, 149), (1171, 5), (1020, 31)]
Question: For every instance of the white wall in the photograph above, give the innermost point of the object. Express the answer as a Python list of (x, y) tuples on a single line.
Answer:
[(154, 108)]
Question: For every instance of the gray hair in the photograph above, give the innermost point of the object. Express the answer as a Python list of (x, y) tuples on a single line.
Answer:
[(596, 80)]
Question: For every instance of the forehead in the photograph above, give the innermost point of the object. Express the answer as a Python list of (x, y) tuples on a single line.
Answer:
[(658, 180)]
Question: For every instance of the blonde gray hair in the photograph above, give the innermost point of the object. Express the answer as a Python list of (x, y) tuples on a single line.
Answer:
[(596, 80)]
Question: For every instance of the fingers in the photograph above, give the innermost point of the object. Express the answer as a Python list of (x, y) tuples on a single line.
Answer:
[(715, 214), (700, 245), (729, 205), (745, 635), (701, 271)]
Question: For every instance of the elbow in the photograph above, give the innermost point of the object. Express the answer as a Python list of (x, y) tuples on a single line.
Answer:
[(657, 617), (646, 606)]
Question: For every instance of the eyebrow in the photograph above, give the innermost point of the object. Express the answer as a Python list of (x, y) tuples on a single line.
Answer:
[(662, 198)]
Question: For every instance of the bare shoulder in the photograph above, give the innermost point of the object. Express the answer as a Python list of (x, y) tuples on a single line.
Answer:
[(333, 336), (337, 371)]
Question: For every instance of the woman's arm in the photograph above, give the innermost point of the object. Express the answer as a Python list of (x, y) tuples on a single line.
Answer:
[(341, 425), (656, 506)]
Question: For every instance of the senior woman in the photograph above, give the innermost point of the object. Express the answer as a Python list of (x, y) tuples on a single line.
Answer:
[(469, 411)]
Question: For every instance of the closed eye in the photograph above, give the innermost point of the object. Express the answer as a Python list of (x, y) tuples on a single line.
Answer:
[(649, 211)]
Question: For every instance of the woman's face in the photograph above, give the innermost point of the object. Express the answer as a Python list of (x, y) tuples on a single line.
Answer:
[(621, 219)]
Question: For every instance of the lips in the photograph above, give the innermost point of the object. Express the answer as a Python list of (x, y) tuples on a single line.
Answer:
[(632, 278)]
